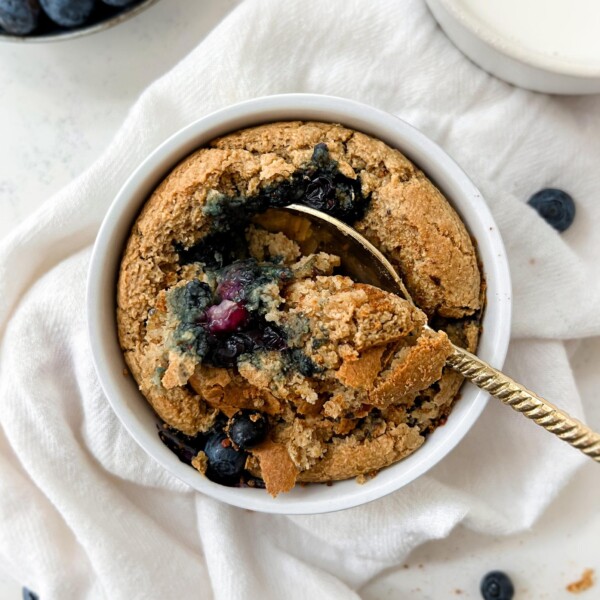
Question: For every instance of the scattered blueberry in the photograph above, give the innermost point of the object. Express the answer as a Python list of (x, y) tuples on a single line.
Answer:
[(184, 446), (555, 206), (29, 595), (225, 463), (247, 429), (271, 338), (226, 351), (19, 17), (496, 585), (68, 13), (226, 316)]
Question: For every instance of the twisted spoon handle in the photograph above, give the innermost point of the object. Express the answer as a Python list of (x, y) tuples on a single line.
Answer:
[(522, 400)]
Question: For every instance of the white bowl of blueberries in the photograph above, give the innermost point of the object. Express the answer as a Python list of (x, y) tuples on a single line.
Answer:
[(53, 20)]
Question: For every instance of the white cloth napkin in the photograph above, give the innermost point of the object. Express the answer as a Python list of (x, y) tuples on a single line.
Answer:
[(85, 514)]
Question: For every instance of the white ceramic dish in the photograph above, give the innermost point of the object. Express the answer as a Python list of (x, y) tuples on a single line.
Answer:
[(495, 38), (136, 414)]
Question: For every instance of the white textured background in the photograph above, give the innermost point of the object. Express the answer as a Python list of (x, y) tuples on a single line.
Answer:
[(60, 104)]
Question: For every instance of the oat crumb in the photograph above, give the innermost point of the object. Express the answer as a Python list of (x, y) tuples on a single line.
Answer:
[(584, 583)]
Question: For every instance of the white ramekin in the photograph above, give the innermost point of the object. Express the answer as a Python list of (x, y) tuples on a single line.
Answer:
[(122, 392), (507, 59)]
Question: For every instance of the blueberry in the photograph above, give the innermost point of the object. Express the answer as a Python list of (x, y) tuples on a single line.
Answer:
[(247, 429), (184, 446), (225, 463), (272, 338), (29, 595), (235, 279), (496, 585), (68, 13), (320, 193), (555, 206), (225, 351), (190, 301), (19, 17), (328, 190), (226, 316)]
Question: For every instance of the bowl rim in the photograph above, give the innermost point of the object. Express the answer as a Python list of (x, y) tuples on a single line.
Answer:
[(515, 49), (428, 156), (70, 34)]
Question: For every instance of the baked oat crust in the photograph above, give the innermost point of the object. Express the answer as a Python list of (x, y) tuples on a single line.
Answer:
[(407, 218)]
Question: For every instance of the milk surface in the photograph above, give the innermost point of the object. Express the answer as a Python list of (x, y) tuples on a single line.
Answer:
[(568, 30)]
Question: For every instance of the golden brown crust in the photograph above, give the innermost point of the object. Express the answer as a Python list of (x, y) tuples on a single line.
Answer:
[(348, 459), (276, 467), (412, 369), (361, 372), (408, 219)]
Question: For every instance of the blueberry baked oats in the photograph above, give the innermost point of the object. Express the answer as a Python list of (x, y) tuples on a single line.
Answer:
[(266, 365)]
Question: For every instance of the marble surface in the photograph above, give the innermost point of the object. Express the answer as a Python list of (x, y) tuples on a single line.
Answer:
[(60, 104)]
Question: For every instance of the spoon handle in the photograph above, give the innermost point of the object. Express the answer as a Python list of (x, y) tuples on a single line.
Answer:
[(522, 400)]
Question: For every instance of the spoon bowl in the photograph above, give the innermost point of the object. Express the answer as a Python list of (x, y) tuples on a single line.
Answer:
[(316, 231)]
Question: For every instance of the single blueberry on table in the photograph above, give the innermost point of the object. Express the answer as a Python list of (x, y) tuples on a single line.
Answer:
[(496, 585), (555, 206), (225, 463), (247, 429), (19, 17), (68, 13), (29, 595)]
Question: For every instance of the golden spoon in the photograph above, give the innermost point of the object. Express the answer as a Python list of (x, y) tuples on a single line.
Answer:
[(315, 231)]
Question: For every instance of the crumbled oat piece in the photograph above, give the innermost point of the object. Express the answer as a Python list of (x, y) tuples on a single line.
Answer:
[(586, 581), (276, 466), (200, 462)]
